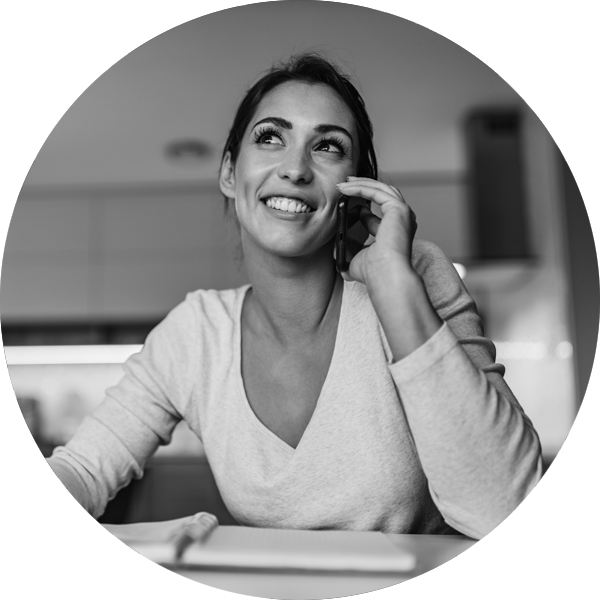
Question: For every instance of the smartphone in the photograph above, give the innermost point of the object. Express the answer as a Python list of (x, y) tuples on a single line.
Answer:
[(341, 233), (356, 235)]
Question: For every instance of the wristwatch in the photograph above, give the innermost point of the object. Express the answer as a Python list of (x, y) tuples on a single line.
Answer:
[(472, 572)]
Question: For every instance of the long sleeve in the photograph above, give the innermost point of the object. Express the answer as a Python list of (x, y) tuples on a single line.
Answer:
[(479, 451), (112, 445)]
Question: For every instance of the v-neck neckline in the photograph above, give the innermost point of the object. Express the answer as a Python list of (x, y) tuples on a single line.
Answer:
[(258, 424)]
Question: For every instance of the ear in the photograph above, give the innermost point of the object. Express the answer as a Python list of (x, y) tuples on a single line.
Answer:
[(227, 177)]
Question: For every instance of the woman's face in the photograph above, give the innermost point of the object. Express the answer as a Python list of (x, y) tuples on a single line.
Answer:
[(586, 576), (299, 144)]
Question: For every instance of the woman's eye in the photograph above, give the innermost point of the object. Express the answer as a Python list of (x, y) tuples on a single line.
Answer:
[(330, 146), (268, 137)]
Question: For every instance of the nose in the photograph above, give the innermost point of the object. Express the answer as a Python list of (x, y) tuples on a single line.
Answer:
[(296, 166)]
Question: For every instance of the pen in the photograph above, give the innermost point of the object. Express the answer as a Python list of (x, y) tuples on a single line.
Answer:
[(569, 460), (197, 529)]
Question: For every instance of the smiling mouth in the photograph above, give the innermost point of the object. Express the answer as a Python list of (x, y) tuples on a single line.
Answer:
[(291, 205)]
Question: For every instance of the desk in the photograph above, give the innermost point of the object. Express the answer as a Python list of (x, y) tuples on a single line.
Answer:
[(46, 534)]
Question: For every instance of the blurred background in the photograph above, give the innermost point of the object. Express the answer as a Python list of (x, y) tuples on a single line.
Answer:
[(121, 215)]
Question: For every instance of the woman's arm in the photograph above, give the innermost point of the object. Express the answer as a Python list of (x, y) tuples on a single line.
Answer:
[(113, 444), (582, 486), (479, 451)]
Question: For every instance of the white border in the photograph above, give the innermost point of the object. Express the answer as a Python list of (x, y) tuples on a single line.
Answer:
[(20, 479)]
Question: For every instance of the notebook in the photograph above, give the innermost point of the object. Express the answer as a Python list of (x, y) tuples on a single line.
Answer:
[(253, 548)]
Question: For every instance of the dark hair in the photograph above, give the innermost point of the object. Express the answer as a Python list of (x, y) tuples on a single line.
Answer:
[(313, 69)]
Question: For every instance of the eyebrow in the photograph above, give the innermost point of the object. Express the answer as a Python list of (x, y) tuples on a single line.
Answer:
[(285, 124)]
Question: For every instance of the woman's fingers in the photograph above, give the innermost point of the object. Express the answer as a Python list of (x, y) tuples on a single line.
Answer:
[(369, 189), (369, 220), (363, 213)]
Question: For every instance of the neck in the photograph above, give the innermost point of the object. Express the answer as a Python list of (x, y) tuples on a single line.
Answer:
[(293, 297)]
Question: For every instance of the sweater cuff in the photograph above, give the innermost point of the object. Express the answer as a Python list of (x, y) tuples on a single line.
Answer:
[(426, 355), (581, 78), (69, 477)]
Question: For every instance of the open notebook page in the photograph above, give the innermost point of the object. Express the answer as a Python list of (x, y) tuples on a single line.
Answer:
[(258, 548)]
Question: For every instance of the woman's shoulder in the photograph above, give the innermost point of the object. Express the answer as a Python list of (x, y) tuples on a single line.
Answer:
[(204, 306), (212, 299)]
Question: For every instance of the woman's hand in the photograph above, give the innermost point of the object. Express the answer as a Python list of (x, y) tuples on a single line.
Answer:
[(394, 232), (561, 125)]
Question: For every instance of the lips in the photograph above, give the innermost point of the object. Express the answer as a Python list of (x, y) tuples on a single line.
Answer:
[(291, 204)]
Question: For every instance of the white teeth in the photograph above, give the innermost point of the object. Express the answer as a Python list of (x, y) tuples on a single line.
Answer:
[(288, 205)]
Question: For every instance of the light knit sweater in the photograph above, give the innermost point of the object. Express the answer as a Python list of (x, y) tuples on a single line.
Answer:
[(431, 444)]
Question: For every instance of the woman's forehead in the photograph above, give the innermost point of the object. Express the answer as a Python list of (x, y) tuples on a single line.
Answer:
[(305, 104)]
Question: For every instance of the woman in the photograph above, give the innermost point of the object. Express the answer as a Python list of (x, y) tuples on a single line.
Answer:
[(558, 37), (368, 402)]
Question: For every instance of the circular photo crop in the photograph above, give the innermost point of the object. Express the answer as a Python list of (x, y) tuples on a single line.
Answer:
[(299, 300)]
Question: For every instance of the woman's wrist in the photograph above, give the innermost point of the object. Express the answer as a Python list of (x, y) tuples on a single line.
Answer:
[(394, 271), (402, 304)]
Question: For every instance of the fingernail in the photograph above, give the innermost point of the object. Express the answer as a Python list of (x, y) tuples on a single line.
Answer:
[(351, 177)]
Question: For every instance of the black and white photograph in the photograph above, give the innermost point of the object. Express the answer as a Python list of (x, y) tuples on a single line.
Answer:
[(299, 300)]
